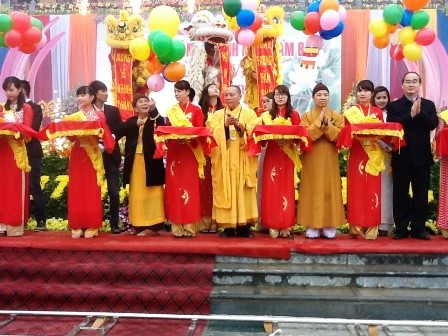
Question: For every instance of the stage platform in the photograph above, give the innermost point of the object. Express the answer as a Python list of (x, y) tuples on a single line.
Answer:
[(260, 246), (208, 274)]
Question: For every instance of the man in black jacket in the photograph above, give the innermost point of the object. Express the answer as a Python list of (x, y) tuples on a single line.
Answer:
[(35, 154), (411, 164), (111, 161)]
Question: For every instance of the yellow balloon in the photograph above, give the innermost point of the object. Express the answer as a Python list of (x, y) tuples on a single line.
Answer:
[(164, 18), (412, 51), (406, 35), (231, 22), (378, 27), (139, 49)]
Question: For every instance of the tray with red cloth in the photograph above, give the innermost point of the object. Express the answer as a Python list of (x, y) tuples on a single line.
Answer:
[(442, 142), (67, 128), (16, 130), (387, 131), (201, 134), (297, 133)]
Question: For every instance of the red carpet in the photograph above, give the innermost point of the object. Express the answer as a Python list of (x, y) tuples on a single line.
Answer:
[(259, 246), (57, 326), (114, 281)]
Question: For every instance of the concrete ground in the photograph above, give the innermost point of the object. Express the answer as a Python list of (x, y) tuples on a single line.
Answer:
[(216, 328)]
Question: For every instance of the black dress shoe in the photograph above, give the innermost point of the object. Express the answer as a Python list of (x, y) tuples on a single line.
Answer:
[(421, 236), (115, 230), (227, 233), (400, 235), (244, 231)]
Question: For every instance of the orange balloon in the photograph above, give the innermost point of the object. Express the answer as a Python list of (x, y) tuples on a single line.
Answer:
[(381, 42), (328, 4), (391, 28), (174, 72), (154, 66), (415, 5), (258, 38)]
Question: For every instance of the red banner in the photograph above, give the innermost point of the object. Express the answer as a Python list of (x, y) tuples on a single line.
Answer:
[(122, 61), (224, 64), (264, 62)]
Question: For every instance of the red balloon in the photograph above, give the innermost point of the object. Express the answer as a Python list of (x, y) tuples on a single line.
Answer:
[(396, 52), (13, 38), (257, 23), (14, 13), (425, 36), (28, 48), (21, 22), (312, 22), (32, 35)]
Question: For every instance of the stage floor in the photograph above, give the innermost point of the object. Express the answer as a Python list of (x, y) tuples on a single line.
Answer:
[(261, 246)]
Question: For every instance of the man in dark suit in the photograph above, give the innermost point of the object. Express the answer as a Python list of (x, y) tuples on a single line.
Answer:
[(111, 161), (411, 164), (35, 154)]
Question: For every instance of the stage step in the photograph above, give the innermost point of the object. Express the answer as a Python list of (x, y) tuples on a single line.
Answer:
[(115, 281), (346, 286)]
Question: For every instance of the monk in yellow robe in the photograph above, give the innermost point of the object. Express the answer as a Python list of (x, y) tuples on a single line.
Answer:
[(320, 209), (233, 169)]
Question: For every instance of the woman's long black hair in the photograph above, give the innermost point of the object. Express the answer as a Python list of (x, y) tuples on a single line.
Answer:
[(204, 101), (17, 84)]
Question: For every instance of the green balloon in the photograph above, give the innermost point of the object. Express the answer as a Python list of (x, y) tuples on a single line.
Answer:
[(164, 60), (178, 51), (298, 20), (153, 35), (419, 20), (5, 23), (232, 7), (393, 14), (162, 45), (37, 23)]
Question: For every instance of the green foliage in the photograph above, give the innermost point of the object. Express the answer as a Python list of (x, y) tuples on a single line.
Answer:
[(53, 166)]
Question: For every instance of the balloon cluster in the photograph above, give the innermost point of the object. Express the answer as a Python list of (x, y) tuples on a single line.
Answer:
[(160, 50), (247, 22), (19, 30), (325, 17), (405, 28)]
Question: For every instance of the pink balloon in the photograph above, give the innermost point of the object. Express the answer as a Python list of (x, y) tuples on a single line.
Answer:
[(342, 13), (314, 41), (155, 83), (425, 36), (249, 4), (329, 19), (246, 37), (42, 42)]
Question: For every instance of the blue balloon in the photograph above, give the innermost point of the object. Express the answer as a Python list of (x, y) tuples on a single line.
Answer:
[(335, 32), (407, 16), (314, 6), (245, 18)]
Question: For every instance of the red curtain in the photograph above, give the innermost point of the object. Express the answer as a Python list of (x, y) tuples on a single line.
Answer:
[(355, 41), (82, 50)]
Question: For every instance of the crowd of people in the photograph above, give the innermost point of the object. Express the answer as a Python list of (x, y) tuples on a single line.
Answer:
[(232, 191)]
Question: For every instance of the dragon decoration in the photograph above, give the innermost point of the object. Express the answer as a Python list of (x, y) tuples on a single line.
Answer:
[(128, 74), (261, 65), (209, 60)]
